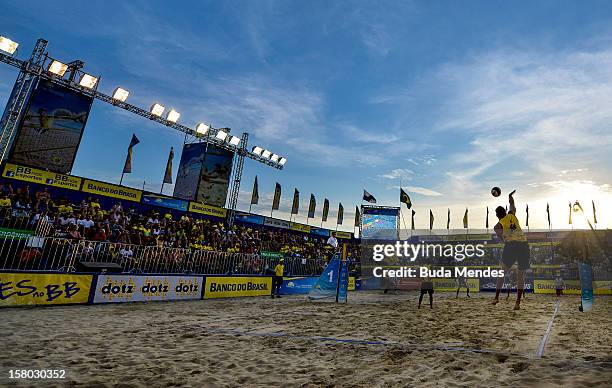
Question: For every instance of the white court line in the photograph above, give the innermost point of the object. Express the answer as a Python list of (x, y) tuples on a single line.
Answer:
[(367, 342), (548, 329)]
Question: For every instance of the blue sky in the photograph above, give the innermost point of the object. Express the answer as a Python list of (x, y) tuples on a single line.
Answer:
[(450, 97)]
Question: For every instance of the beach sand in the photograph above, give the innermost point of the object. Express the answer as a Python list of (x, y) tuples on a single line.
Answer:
[(374, 340)]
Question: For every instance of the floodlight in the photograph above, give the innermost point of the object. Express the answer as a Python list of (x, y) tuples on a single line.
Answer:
[(7, 45), (120, 94), (173, 116), (202, 128), (88, 81), (282, 161), (221, 135), (58, 68), (274, 158), (157, 109), (234, 140), (266, 154), (257, 150)]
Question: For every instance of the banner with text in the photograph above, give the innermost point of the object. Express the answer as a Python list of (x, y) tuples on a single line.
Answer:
[(144, 288), (19, 289), (208, 210), (34, 175), (236, 286), (113, 191)]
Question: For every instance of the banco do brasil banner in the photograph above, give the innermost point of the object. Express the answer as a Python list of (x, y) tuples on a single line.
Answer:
[(234, 286), (113, 191), (144, 288), (34, 175), (18, 289)]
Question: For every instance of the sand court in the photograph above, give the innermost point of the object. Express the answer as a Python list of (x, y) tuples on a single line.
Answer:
[(374, 340)]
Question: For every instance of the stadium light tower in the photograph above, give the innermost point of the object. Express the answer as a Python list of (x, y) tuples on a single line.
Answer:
[(234, 140), (173, 116), (88, 81), (58, 68), (202, 128), (221, 135), (7, 45), (157, 109)]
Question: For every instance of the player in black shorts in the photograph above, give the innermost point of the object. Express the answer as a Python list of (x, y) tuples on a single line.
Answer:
[(516, 249), (427, 288)]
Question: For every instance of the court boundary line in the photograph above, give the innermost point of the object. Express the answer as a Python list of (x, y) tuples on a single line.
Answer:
[(369, 342), (544, 339)]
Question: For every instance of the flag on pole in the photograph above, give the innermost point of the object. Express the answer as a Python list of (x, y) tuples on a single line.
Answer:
[(465, 219), (448, 219), (594, 213), (340, 214), (368, 197), (527, 219), (357, 216), (412, 220), (325, 209), (405, 198), (255, 193), (296, 202), (127, 168), (548, 213), (570, 213), (168, 174), (277, 196), (312, 206), (431, 219), (487, 223)]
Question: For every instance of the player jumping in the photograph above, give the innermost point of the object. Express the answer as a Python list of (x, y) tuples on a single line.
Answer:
[(516, 248)]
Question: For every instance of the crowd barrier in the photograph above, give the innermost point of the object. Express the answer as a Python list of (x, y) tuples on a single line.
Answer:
[(26, 252)]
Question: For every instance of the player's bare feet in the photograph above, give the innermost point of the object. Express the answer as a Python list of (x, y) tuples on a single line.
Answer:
[(517, 306), (495, 301)]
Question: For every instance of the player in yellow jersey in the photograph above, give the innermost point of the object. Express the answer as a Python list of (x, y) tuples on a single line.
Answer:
[(516, 248)]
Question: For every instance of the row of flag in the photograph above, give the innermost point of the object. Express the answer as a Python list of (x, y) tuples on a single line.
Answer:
[(295, 206), (127, 167)]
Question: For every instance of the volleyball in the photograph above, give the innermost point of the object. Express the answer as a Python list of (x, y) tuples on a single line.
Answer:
[(496, 191)]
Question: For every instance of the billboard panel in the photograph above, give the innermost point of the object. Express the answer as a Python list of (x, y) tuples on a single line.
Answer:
[(19, 289), (204, 174), (215, 177), (189, 170), (144, 288), (379, 222), (51, 129)]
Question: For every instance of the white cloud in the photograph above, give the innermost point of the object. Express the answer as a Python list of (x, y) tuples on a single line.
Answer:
[(398, 173), (423, 191)]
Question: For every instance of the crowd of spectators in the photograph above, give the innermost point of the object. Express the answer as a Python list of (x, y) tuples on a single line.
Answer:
[(89, 220)]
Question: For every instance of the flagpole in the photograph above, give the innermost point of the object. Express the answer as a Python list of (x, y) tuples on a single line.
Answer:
[(121, 180), (162, 188)]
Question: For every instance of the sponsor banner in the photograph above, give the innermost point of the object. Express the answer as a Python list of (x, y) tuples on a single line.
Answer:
[(344, 235), (208, 210), (298, 285), (113, 191), (144, 288), (300, 227), (319, 231), (451, 284), (250, 218), (19, 289), (600, 287), (268, 254), (237, 286), (351, 283), (34, 175), (15, 233), (167, 202), (277, 223), (490, 284)]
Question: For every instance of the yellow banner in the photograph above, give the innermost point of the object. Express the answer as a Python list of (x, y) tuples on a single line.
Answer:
[(34, 175), (208, 210), (600, 287), (19, 289), (300, 227), (451, 285), (113, 191), (232, 287), (345, 235), (351, 284)]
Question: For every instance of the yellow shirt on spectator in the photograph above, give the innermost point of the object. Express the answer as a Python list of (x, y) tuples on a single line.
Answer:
[(65, 209), (279, 269), (5, 202)]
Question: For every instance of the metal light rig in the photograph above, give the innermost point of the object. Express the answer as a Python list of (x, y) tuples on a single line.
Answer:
[(36, 68)]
